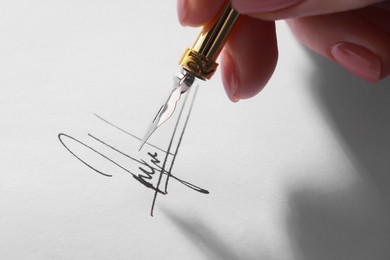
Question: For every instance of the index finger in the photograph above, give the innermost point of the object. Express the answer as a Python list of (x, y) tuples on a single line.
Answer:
[(197, 12), (280, 9)]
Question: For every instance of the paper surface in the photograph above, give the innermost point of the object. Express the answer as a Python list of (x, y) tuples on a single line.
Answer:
[(299, 172)]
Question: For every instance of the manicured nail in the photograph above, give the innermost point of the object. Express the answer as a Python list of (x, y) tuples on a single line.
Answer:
[(256, 6), (182, 11), (358, 60), (233, 87), (232, 82)]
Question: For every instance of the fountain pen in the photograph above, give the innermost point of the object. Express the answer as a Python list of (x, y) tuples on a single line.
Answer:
[(199, 61)]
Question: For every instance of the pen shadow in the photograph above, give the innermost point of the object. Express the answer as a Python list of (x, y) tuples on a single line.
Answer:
[(206, 240), (209, 243), (354, 222)]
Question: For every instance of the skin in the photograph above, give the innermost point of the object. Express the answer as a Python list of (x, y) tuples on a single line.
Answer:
[(352, 33)]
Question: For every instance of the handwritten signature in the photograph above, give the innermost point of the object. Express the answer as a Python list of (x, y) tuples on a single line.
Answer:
[(150, 170)]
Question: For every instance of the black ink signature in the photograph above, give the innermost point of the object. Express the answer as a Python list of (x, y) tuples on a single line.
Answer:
[(149, 171)]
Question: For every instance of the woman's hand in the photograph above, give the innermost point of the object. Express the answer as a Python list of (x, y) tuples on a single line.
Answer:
[(353, 33)]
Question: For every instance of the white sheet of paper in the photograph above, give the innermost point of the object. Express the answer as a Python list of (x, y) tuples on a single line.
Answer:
[(299, 172)]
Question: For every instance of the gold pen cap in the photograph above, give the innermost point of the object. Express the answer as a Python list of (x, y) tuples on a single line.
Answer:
[(200, 60)]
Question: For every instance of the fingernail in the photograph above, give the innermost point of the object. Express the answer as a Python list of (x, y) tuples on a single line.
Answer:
[(182, 11), (232, 83), (358, 60), (255, 6)]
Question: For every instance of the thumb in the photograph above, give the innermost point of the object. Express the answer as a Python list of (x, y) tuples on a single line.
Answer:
[(280, 9)]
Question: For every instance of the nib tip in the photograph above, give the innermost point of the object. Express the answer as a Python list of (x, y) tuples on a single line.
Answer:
[(140, 147)]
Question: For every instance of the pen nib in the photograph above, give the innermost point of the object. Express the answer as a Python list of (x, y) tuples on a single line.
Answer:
[(182, 83)]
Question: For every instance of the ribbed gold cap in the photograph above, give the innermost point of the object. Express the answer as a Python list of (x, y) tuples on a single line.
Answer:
[(200, 60)]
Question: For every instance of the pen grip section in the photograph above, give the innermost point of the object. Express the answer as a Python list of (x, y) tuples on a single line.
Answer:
[(200, 60)]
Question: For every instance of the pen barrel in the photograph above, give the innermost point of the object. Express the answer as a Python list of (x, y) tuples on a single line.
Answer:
[(200, 59)]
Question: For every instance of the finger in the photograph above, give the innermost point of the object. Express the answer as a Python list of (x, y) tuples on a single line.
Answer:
[(278, 9), (249, 58), (197, 12), (350, 39), (378, 15)]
